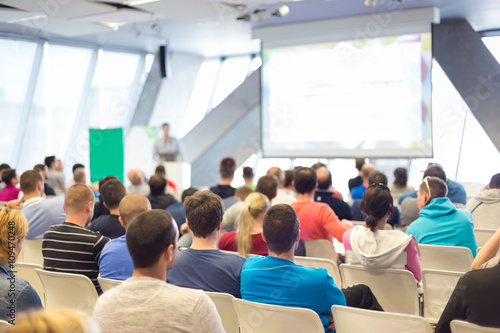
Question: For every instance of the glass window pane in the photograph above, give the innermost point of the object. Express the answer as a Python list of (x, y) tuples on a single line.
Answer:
[(232, 73)]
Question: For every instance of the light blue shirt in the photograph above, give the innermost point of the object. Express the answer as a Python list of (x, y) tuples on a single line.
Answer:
[(42, 214), (115, 261)]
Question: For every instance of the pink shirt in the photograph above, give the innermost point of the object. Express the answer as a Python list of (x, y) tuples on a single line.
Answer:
[(9, 192)]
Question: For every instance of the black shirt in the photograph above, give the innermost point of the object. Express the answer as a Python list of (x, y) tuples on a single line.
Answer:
[(161, 201), (223, 191), (355, 182), (340, 207), (108, 225)]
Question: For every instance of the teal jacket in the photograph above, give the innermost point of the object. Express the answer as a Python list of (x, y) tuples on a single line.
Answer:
[(441, 223)]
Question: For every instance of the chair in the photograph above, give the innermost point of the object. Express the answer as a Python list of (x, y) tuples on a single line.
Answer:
[(438, 287), (459, 326), (330, 265), (353, 320), (446, 258), (224, 304), (483, 235), (320, 248), (68, 291), (28, 272), (395, 289), (31, 252), (259, 317), (107, 284)]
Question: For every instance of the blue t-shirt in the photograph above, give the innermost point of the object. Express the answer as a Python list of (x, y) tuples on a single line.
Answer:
[(108, 225), (209, 270), (358, 191), (278, 281), (115, 261), (178, 213)]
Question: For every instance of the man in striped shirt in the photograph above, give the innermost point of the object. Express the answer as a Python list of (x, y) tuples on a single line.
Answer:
[(69, 247)]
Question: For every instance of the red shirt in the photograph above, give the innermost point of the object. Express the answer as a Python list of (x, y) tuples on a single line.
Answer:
[(228, 243)]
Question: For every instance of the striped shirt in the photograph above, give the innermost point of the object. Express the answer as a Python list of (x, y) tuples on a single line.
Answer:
[(69, 248)]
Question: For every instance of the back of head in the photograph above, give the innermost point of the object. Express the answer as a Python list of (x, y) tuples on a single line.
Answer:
[(436, 186), (39, 167), (49, 161), (377, 177), (76, 199), (247, 173), (188, 192), (148, 235), (135, 176), (113, 192), (131, 206), (360, 161), (275, 171), (400, 177), (29, 181), (78, 166), (227, 167), (280, 227), (288, 178), (157, 184), (204, 211), (367, 169), (54, 321), (377, 202), (305, 180), (318, 165), (4, 166), (495, 181), (268, 185), (101, 183), (8, 176), (242, 192), (435, 170), (79, 176), (160, 170), (324, 178), (255, 204), (12, 224)]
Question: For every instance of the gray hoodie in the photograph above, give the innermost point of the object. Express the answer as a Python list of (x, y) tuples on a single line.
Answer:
[(485, 208)]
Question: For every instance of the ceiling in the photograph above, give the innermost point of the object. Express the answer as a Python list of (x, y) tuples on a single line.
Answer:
[(205, 27)]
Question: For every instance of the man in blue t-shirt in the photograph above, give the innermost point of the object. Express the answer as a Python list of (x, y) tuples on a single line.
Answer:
[(276, 280), (203, 266)]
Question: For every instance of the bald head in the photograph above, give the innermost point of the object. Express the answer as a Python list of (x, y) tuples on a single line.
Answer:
[(366, 170), (135, 176), (324, 178), (275, 171), (131, 206)]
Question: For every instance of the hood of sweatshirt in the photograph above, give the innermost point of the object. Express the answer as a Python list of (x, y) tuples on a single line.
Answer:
[(488, 196), (379, 248), (438, 207)]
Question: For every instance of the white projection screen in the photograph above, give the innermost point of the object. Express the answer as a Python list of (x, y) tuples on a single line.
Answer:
[(365, 97)]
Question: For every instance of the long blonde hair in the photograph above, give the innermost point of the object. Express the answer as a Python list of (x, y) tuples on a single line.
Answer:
[(13, 225), (55, 321), (255, 204)]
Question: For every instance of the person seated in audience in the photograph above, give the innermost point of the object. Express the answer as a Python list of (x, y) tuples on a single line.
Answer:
[(400, 184), (115, 261), (3, 166), (54, 321), (325, 176), (42, 169), (440, 222), (71, 181), (158, 197), (248, 177), (55, 178), (177, 208), (232, 214), (248, 237), (203, 266), (325, 194), (10, 191), (357, 181), (41, 213), (288, 184), (16, 295), (113, 192), (69, 247), (137, 182), (317, 219), (281, 195), (160, 170), (487, 257), (357, 192), (148, 302), (375, 177), (226, 170), (373, 246), (99, 208), (485, 206)]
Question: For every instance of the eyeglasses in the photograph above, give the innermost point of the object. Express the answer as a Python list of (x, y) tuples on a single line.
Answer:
[(380, 185), (426, 181)]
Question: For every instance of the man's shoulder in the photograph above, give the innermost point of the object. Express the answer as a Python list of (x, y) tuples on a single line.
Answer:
[(209, 256), (71, 229)]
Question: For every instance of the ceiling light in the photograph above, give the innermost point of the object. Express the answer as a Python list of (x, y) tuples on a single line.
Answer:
[(156, 28), (245, 17), (134, 31), (282, 11), (28, 19), (260, 14)]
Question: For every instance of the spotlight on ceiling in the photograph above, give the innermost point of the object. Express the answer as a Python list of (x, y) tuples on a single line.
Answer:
[(157, 28), (134, 31), (245, 17), (260, 14), (282, 11)]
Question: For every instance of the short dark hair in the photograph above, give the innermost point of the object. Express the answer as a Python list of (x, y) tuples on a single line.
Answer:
[(305, 180), (29, 180), (435, 170), (247, 173), (243, 192), (268, 185), (112, 192), (495, 181), (188, 192), (377, 202), (165, 124), (160, 169), (318, 165), (227, 167), (148, 235), (49, 160), (4, 166), (101, 183), (360, 161), (157, 184), (400, 176), (77, 166), (437, 186), (8, 175), (204, 211), (288, 178), (39, 167), (280, 227), (377, 177)]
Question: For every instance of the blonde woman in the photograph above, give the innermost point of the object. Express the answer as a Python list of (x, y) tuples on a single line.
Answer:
[(16, 295), (248, 238), (56, 321)]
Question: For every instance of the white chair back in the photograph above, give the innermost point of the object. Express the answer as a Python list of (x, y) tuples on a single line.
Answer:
[(320, 248), (259, 317), (330, 265), (107, 284), (353, 320), (395, 289), (483, 235), (28, 272), (446, 258), (68, 291), (459, 326), (438, 287), (224, 304), (31, 252)]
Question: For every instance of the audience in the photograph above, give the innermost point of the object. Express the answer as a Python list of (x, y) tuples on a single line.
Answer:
[(146, 302), (42, 169), (55, 178), (226, 170), (288, 184), (160, 170), (16, 295), (112, 192), (400, 184), (100, 209), (488, 256), (373, 246), (440, 222), (3, 167), (78, 167), (485, 206), (158, 197), (248, 237), (177, 208), (357, 192), (137, 182), (10, 191), (248, 177), (282, 196), (203, 266), (55, 321), (69, 247), (357, 181), (231, 217), (325, 194)]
